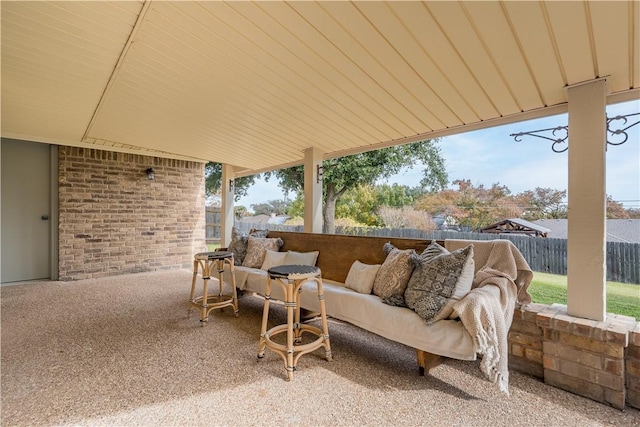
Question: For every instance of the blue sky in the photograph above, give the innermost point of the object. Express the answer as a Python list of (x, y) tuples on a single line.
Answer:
[(491, 156)]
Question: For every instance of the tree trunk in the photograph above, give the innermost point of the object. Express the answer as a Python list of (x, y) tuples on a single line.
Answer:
[(329, 211)]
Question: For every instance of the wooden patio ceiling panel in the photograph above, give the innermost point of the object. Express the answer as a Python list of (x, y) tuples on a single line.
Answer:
[(609, 31), (529, 24), (56, 60), (573, 41), (243, 56), (254, 84), (456, 21)]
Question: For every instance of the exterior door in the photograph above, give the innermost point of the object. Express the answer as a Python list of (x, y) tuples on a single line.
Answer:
[(26, 205)]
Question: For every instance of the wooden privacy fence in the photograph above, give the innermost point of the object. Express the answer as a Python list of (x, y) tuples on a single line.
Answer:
[(212, 230), (542, 254)]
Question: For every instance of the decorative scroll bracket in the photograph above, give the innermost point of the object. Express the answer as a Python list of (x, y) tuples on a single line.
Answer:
[(559, 135)]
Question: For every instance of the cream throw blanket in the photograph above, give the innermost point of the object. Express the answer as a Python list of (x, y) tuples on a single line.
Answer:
[(501, 280)]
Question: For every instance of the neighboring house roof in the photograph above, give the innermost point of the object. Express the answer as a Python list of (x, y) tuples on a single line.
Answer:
[(265, 219), (618, 230), (516, 226)]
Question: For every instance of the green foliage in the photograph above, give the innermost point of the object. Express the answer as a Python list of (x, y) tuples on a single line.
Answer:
[(278, 207), (622, 298), (296, 206), (363, 203), (364, 169), (359, 204), (213, 178)]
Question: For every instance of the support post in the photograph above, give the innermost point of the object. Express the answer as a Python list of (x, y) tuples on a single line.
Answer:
[(227, 215), (312, 190), (586, 244)]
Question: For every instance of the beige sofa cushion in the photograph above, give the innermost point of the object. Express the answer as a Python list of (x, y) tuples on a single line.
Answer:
[(437, 277), (361, 277), (394, 273)]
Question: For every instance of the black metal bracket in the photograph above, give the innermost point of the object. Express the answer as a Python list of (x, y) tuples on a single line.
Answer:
[(559, 135)]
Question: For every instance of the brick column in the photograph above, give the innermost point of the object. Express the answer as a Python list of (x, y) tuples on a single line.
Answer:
[(633, 368), (586, 357)]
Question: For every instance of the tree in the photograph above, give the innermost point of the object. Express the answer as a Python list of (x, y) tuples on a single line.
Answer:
[(406, 217), (296, 206), (278, 207), (543, 203), (396, 195), (359, 204), (213, 178), (616, 210), (634, 213), (344, 173), (473, 207)]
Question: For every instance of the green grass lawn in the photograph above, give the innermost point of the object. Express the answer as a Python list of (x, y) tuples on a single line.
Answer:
[(622, 298)]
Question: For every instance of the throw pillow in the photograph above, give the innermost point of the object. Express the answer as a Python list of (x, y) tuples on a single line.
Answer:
[(394, 273), (302, 258), (239, 242), (434, 280), (361, 276), (257, 248), (273, 259)]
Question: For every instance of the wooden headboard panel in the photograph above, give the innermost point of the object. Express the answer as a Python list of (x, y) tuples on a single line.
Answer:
[(338, 252)]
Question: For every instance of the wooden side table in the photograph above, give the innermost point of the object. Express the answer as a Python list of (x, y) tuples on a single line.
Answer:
[(291, 279), (208, 261)]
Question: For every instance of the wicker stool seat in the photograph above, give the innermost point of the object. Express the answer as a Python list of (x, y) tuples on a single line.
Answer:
[(291, 278), (207, 262)]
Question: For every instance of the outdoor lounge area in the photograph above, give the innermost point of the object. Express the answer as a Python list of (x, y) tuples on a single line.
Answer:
[(110, 112), (124, 352)]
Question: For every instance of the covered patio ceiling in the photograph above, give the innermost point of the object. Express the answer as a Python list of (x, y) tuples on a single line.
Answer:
[(254, 84)]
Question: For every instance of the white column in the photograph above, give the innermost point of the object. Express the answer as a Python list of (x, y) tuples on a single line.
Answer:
[(586, 245), (227, 215), (312, 191)]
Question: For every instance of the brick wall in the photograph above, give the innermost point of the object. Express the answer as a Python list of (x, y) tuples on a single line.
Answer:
[(598, 360), (113, 220), (525, 341), (632, 366)]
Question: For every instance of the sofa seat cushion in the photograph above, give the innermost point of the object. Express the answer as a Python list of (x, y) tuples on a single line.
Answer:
[(447, 337)]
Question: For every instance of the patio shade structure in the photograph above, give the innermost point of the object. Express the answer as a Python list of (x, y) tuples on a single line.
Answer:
[(265, 85)]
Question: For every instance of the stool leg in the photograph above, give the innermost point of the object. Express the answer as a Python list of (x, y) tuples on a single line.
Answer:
[(193, 286), (265, 317), (206, 273), (234, 291), (290, 303), (297, 329), (323, 314)]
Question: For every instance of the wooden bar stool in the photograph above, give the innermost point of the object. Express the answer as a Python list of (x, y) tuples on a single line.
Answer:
[(206, 303), (291, 278)]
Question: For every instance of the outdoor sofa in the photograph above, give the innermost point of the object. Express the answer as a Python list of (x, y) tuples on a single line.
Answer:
[(469, 322)]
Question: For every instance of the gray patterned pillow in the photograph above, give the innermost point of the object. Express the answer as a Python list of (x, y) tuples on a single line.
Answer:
[(239, 241), (434, 279), (394, 273), (257, 249)]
